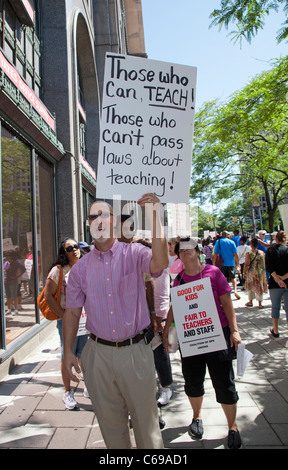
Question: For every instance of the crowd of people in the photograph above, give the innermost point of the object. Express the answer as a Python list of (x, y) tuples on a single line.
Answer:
[(257, 265), (120, 288)]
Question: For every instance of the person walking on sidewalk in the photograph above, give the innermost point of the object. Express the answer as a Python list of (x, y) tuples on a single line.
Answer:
[(277, 266), (118, 365), (255, 274), (242, 250), (69, 253), (226, 248), (194, 367)]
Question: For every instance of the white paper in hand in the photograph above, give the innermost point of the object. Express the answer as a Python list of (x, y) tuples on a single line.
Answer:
[(243, 359)]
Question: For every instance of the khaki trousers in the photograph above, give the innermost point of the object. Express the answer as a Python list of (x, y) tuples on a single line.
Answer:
[(121, 381)]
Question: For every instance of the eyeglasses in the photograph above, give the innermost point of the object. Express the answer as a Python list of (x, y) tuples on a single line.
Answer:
[(70, 248), (103, 215)]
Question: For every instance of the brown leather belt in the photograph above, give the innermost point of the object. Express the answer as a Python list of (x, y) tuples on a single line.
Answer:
[(118, 344)]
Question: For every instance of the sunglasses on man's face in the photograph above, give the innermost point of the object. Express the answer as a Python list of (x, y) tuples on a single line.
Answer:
[(103, 215), (70, 248)]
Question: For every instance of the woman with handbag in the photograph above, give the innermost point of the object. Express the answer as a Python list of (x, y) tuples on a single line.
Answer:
[(194, 367), (254, 274), (69, 253)]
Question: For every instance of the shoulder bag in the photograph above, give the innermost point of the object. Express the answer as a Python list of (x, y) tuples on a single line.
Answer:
[(42, 303), (251, 262), (219, 261)]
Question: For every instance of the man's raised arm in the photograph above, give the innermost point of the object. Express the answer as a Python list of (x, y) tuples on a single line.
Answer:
[(160, 255)]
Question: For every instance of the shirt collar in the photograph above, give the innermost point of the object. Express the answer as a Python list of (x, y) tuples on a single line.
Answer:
[(113, 250)]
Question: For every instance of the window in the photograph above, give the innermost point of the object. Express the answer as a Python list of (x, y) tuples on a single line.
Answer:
[(82, 114), (21, 45), (17, 235), (24, 222), (82, 131)]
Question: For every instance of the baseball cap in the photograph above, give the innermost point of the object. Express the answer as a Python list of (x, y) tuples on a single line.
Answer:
[(83, 245)]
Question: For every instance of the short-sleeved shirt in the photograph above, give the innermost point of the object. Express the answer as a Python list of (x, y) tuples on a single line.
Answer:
[(277, 260), (236, 240), (13, 270), (242, 251), (227, 249), (261, 247), (110, 285), (54, 276), (218, 283)]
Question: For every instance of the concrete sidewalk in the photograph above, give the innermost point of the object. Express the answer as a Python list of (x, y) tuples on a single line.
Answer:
[(33, 416)]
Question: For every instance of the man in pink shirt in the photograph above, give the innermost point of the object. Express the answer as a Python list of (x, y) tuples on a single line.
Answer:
[(118, 365)]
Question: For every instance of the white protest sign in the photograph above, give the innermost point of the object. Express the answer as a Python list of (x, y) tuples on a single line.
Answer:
[(146, 129), (28, 266), (284, 215), (7, 244), (196, 318)]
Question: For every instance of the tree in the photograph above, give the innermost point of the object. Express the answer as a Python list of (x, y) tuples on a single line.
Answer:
[(249, 16), (205, 222), (16, 177), (242, 145), (236, 215)]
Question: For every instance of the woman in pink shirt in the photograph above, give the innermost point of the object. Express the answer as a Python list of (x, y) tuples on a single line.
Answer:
[(194, 367)]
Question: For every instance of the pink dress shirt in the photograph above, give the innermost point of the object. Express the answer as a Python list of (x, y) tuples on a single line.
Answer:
[(111, 288)]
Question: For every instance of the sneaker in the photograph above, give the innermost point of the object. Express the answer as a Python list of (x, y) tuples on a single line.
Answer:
[(196, 428), (15, 313), (234, 440), (164, 397), (86, 393), (8, 312), (69, 400)]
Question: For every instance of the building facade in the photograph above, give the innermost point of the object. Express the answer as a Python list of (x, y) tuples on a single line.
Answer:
[(52, 56)]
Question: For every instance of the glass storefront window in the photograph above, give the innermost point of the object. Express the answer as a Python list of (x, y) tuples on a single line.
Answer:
[(21, 273), (17, 231)]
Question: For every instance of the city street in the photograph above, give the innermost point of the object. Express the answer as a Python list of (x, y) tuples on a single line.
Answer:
[(32, 415)]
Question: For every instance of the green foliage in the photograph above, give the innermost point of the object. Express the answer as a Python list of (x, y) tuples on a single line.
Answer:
[(241, 146), (236, 215), (249, 17), (205, 222), (15, 180)]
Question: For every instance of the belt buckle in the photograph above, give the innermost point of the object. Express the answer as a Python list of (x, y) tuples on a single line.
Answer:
[(117, 343)]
